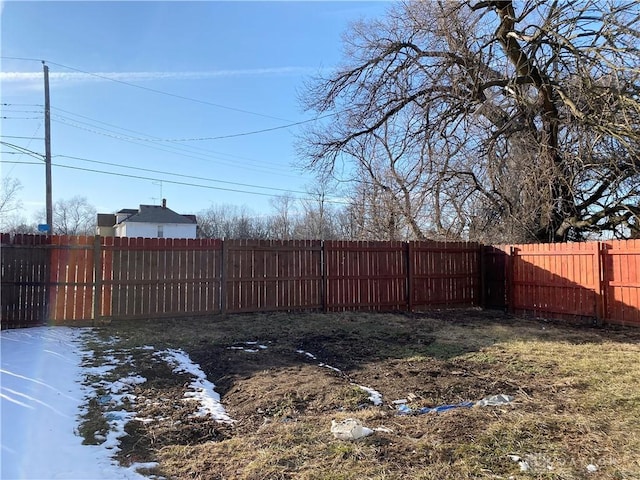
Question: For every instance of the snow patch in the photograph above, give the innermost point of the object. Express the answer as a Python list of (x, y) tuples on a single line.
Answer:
[(201, 389)]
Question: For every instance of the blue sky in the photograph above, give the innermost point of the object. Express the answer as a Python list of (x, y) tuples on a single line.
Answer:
[(244, 62)]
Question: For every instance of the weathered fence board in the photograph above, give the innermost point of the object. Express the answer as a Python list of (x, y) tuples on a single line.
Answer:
[(556, 280), (158, 276), (269, 275), (365, 275), (621, 282), (445, 274), (24, 295)]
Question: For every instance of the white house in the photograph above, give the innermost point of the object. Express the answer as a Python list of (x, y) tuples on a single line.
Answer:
[(150, 221)]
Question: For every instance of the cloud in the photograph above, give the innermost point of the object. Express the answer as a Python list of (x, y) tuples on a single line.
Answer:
[(19, 77)]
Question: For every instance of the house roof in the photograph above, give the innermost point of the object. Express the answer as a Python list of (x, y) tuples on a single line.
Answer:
[(128, 210), (158, 214)]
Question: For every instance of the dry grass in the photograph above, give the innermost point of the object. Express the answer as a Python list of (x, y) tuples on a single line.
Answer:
[(577, 396)]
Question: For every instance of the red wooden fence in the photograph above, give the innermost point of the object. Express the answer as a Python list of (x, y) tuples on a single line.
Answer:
[(365, 275), (445, 274), (65, 279), (267, 275), (621, 282), (92, 278), (575, 281)]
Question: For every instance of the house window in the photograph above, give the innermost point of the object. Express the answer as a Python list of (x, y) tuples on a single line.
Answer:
[(160, 231)]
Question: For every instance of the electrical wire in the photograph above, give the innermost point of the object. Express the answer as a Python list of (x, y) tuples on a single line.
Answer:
[(24, 150), (174, 182), (20, 118), (173, 174), (182, 147), (191, 151), (24, 138), (161, 92), (178, 150), (22, 105), (242, 134)]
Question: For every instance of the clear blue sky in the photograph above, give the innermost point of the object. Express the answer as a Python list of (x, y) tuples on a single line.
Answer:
[(250, 59)]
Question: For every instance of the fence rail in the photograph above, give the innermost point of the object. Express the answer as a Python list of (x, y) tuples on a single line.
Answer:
[(62, 279)]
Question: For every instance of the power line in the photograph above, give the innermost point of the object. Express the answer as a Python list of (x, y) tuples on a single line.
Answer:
[(176, 150), (161, 92), (174, 182), (139, 177), (24, 150), (24, 138), (173, 174), (20, 110), (20, 118), (253, 132), (220, 137), (153, 137), (22, 105)]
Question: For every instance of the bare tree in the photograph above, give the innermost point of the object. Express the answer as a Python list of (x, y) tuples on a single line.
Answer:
[(317, 213), (9, 201), (283, 220), (75, 216), (230, 221), (493, 120)]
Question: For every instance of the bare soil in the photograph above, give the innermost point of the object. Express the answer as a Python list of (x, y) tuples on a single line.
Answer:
[(576, 390)]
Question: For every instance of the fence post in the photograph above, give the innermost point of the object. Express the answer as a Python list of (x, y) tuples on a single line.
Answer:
[(509, 278), (323, 268), (223, 278), (408, 258), (483, 270), (601, 298), (97, 279)]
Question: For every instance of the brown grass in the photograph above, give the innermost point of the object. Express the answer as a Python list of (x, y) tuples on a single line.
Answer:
[(577, 397)]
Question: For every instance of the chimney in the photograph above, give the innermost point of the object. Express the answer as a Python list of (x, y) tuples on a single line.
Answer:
[(164, 203)]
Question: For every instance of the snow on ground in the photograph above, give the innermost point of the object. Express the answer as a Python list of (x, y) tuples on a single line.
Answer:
[(42, 397), (375, 397), (201, 389)]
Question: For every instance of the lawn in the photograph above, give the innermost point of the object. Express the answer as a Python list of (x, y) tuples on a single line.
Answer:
[(575, 414)]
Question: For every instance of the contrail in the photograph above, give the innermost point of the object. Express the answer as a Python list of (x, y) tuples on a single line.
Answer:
[(141, 76)]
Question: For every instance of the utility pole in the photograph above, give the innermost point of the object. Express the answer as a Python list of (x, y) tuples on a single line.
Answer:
[(47, 147)]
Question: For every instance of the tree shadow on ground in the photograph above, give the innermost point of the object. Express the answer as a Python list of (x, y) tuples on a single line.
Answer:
[(224, 345)]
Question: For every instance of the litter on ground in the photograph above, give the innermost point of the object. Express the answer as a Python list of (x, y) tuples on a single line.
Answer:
[(349, 429), (493, 400)]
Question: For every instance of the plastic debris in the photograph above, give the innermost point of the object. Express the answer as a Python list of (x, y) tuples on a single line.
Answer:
[(444, 408), (591, 468), (383, 429), (536, 463), (349, 429), (495, 400), (406, 410), (524, 465)]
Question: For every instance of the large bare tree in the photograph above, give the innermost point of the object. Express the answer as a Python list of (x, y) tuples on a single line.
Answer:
[(491, 120)]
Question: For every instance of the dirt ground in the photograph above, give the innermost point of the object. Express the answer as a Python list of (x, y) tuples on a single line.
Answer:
[(576, 396)]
